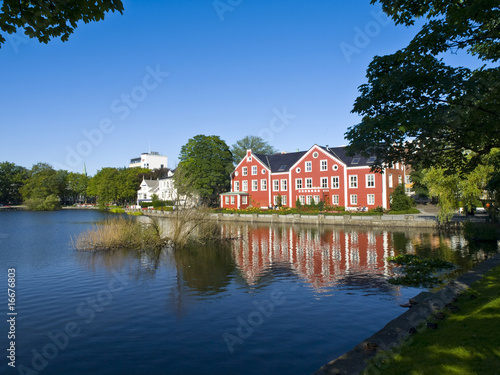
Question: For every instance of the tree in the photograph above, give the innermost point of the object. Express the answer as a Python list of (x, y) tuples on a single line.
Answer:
[(77, 184), (250, 142), (419, 110), (42, 181), (206, 162), (12, 178), (45, 20)]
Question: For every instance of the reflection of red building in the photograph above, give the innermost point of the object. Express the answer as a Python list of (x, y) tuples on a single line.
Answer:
[(320, 256), (319, 174)]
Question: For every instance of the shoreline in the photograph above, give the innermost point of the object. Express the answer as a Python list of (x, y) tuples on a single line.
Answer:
[(394, 333)]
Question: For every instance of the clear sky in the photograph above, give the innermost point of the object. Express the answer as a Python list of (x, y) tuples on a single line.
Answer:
[(165, 71)]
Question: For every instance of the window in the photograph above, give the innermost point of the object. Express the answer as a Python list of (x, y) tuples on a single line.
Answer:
[(324, 165), (244, 199), (249, 158), (263, 185), (255, 185), (283, 185), (370, 180), (353, 181), (355, 160), (335, 167), (354, 199), (324, 182), (232, 199), (390, 180), (400, 179), (226, 199), (309, 166), (263, 170), (276, 185), (236, 186), (371, 160), (309, 199), (283, 200), (254, 170), (298, 183), (316, 199), (371, 199), (335, 182), (245, 171), (245, 186), (282, 168), (298, 170), (309, 183), (302, 199), (407, 179), (335, 199), (315, 155)]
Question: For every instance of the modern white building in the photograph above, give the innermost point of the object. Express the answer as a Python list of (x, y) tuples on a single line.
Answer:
[(151, 160)]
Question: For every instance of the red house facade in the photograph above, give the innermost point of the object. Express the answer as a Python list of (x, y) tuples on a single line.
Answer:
[(320, 174)]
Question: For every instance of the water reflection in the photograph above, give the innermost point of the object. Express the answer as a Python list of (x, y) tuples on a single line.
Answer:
[(323, 257)]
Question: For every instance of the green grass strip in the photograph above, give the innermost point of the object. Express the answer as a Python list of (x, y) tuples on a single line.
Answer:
[(466, 341)]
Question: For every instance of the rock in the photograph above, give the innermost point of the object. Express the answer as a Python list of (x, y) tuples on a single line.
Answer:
[(370, 347)]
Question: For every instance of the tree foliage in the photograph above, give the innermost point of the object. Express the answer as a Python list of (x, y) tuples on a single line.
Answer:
[(250, 142), (45, 20), (12, 178), (206, 163), (420, 110), (399, 200)]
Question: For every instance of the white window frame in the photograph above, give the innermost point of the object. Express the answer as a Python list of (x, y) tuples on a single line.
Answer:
[(390, 180), (324, 182), (298, 183), (353, 199), (308, 199), (236, 186), (244, 199), (302, 199), (370, 199), (308, 166), (400, 179), (316, 199), (263, 184), (244, 171), (335, 182), (244, 186), (232, 199), (254, 170), (276, 185), (283, 200), (255, 185), (324, 165), (353, 181), (309, 183), (284, 186), (226, 199), (370, 180), (335, 199)]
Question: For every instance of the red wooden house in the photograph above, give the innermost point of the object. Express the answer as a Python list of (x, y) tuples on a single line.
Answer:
[(319, 174)]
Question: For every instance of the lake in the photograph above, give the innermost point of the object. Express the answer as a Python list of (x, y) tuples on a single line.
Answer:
[(275, 299)]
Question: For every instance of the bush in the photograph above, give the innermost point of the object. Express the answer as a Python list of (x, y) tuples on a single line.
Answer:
[(50, 203), (400, 201)]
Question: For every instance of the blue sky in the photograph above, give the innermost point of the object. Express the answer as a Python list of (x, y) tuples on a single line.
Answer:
[(165, 71)]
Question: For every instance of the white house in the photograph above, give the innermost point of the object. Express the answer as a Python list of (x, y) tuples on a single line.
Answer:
[(164, 189)]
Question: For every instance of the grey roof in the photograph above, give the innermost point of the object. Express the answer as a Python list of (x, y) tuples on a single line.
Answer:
[(280, 162), (283, 162)]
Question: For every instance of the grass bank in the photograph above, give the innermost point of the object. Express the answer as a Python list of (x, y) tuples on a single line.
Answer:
[(463, 339)]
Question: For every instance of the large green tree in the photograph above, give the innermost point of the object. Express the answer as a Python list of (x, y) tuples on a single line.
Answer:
[(12, 178), (416, 108), (45, 20), (206, 162), (250, 142)]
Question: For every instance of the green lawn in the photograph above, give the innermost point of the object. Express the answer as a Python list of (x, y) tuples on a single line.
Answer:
[(466, 341)]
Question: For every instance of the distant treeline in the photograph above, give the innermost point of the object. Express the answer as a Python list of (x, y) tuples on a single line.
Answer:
[(44, 188)]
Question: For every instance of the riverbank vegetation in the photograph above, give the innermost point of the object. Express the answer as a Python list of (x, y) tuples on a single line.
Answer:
[(464, 339)]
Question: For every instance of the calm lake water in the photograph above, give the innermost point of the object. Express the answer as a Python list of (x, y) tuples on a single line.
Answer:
[(277, 299)]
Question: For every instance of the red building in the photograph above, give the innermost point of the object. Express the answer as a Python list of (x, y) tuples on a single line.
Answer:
[(319, 174)]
